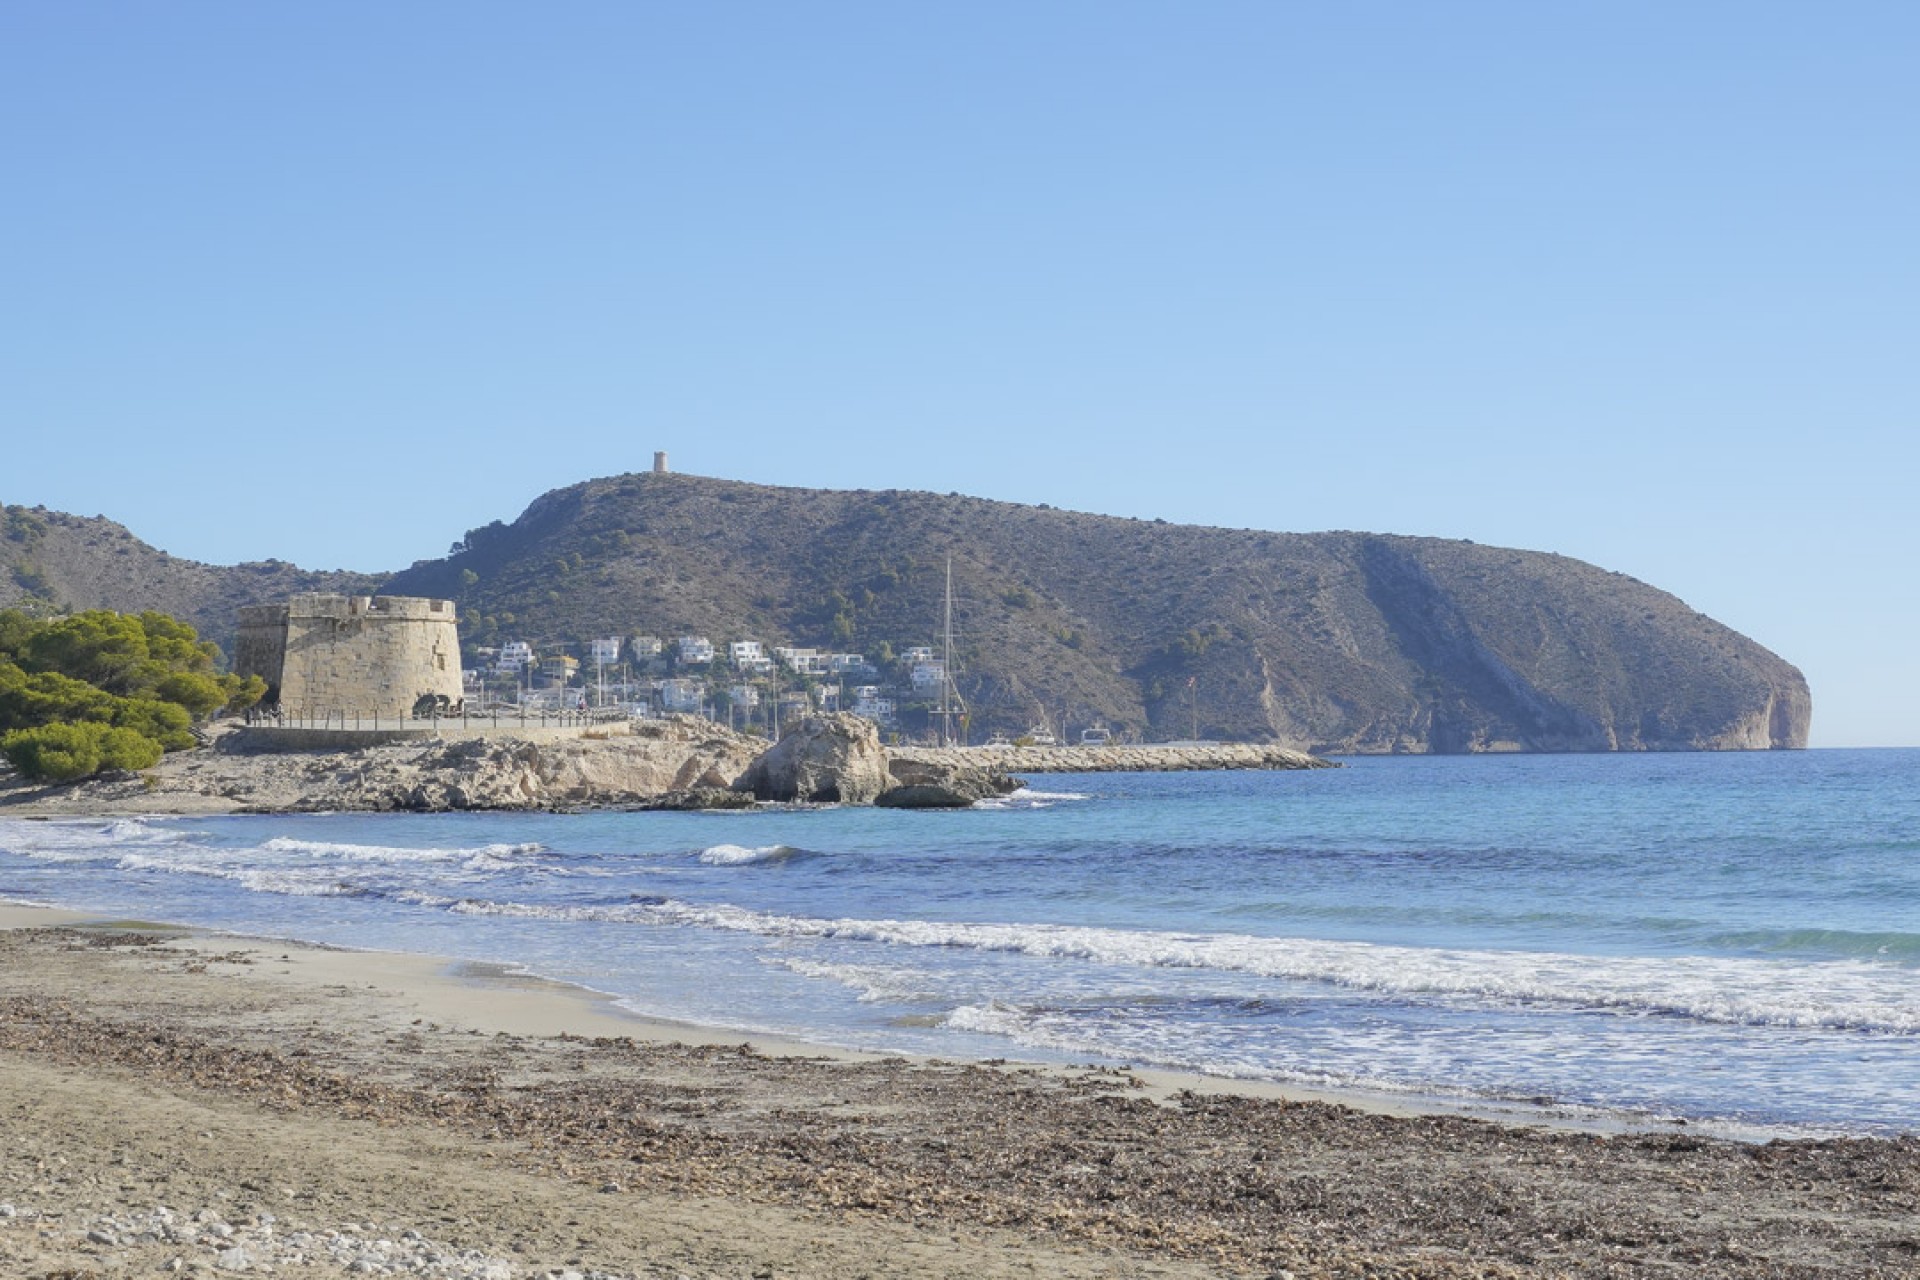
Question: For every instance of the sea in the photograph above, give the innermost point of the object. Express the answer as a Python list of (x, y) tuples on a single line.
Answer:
[(1727, 940)]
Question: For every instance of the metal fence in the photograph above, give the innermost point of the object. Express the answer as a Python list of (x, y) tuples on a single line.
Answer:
[(489, 717)]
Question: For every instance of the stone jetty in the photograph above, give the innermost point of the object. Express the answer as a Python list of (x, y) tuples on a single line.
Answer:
[(1167, 757)]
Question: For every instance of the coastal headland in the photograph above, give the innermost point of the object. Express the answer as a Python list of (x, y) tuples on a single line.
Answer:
[(185, 1103)]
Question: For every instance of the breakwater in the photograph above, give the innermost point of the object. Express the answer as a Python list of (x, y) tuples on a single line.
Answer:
[(1148, 758)]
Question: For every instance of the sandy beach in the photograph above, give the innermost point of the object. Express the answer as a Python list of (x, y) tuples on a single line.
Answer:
[(185, 1103)]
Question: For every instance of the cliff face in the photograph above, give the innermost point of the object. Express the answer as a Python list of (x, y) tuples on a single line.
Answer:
[(1336, 642)]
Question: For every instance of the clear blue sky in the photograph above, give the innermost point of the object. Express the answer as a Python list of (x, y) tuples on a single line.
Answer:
[(1635, 282)]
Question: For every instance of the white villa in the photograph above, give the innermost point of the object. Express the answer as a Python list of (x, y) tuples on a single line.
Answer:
[(867, 702), (514, 655), (808, 662), (683, 695)]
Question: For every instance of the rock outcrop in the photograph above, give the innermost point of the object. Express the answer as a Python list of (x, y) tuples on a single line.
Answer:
[(678, 763), (934, 784), (681, 755), (823, 759)]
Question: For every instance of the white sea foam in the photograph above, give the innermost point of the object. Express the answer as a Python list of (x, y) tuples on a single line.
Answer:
[(733, 855), (1841, 995), (1028, 798), (396, 853), (873, 984), (83, 839), (299, 882)]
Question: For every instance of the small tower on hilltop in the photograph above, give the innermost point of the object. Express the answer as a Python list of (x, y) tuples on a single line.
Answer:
[(659, 462)]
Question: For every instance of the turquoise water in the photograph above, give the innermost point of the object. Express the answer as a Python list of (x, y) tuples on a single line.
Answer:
[(1729, 939)]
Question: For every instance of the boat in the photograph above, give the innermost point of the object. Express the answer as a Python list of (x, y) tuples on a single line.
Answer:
[(1096, 735), (1041, 736)]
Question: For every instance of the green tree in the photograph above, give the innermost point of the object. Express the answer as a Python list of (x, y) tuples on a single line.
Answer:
[(107, 690), (64, 752)]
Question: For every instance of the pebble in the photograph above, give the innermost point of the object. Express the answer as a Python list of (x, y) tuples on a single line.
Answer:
[(359, 1249)]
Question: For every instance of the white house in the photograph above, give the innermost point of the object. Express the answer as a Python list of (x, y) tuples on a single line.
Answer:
[(867, 702), (695, 649), (917, 654), (639, 647), (744, 696), (683, 695), (745, 653), (514, 655), (841, 664), (606, 651), (808, 662), (928, 676)]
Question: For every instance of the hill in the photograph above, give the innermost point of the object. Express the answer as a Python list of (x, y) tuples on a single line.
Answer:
[(1334, 642), (54, 562)]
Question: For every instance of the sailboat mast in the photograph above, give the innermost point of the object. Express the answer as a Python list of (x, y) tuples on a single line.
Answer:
[(946, 661)]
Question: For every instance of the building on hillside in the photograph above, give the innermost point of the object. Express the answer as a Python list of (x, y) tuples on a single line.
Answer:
[(323, 654), (846, 664), (606, 651), (514, 655), (744, 653), (688, 696), (868, 703), (744, 697), (695, 650), (928, 676), (806, 662), (917, 654), (640, 648)]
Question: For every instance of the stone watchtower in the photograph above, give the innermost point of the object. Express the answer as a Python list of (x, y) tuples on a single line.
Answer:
[(354, 655)]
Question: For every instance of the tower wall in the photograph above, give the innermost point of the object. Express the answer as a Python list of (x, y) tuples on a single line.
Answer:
[(353, 655)]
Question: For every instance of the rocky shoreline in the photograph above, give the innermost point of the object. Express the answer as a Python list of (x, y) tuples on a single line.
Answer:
[(681, 762)]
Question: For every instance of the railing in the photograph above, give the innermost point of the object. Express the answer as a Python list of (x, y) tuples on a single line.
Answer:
[(490, 717)]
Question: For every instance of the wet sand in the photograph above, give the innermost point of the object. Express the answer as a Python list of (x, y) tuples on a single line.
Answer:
[(186, 1103)]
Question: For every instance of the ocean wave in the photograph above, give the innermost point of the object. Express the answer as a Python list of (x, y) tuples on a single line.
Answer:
[(397, 853), (286, 882), (1028, 798), (733, 855), (80, 840), (1885, 945), (872, 984), (1846, 995)]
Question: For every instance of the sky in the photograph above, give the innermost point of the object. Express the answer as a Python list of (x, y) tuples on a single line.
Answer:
[(1638, 283)]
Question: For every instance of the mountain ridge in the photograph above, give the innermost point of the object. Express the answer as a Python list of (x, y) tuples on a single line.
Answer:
[(1332, 642)]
